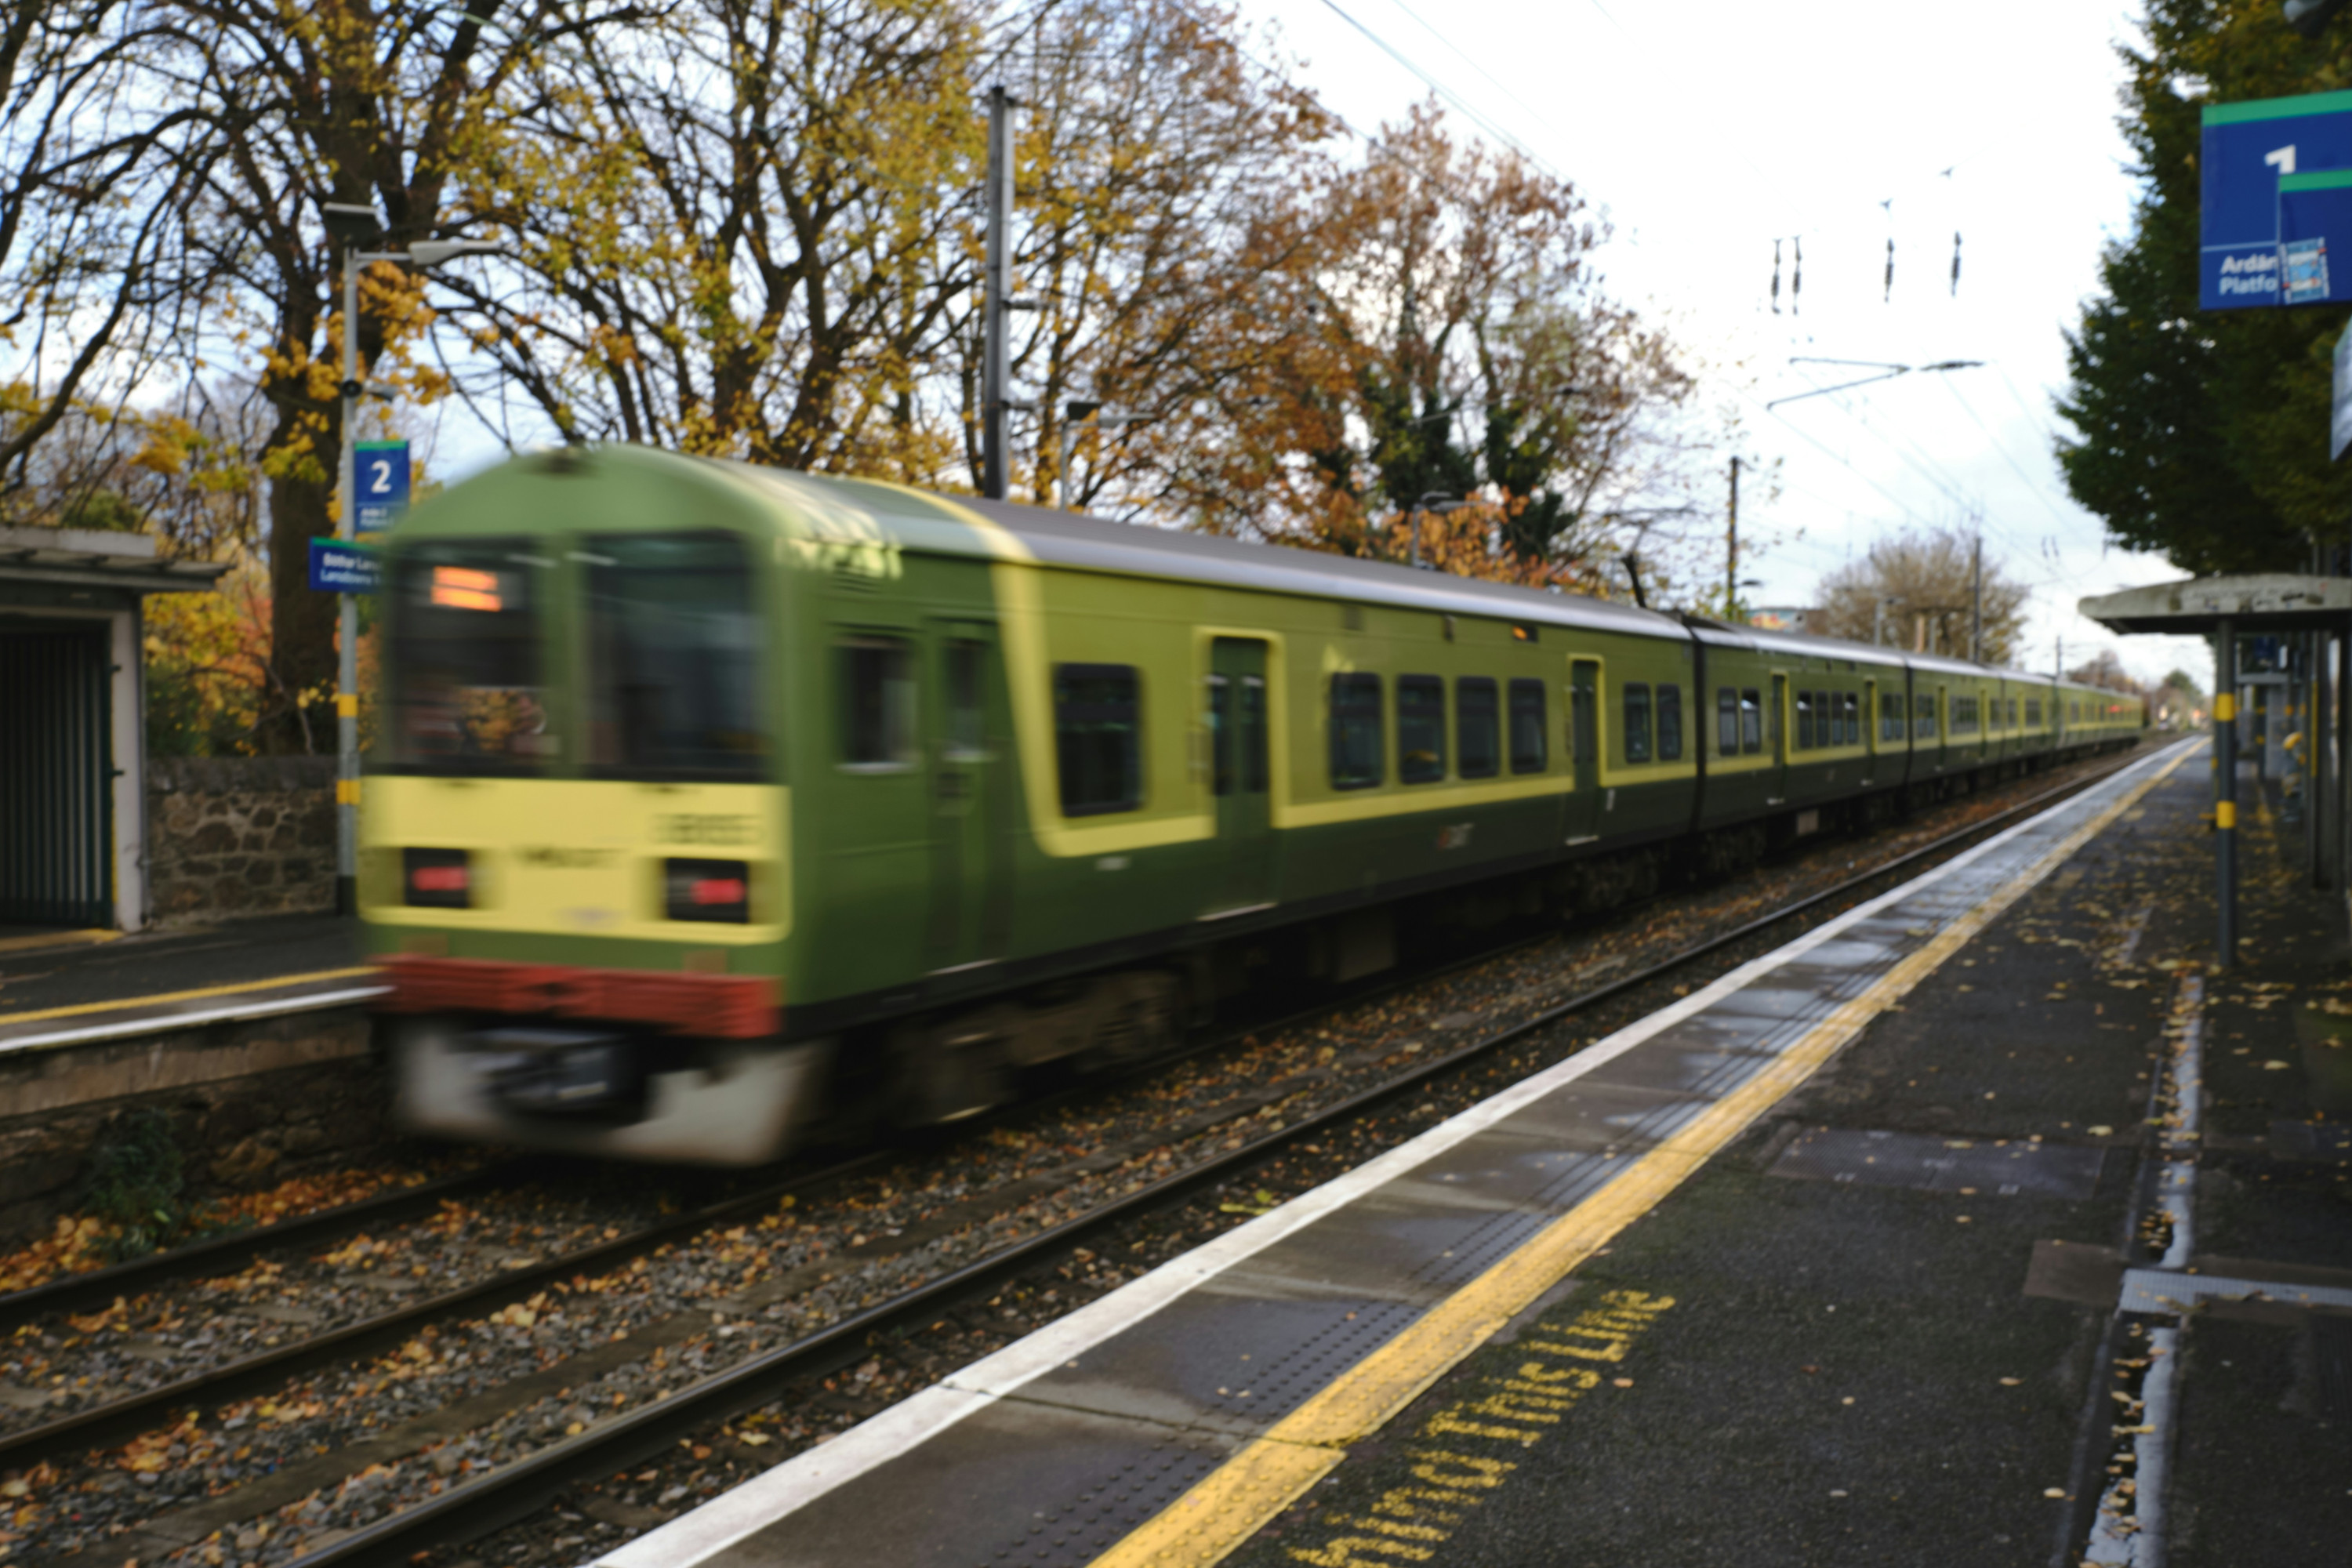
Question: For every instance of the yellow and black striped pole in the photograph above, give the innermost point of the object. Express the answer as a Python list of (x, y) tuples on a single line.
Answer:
[(2225, 785)]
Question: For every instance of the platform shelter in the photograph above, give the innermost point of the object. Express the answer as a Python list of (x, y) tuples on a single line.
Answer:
[(2313, 616), (73, 824)]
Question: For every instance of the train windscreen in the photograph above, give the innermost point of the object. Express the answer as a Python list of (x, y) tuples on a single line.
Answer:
[(673, 654), (468, 688)]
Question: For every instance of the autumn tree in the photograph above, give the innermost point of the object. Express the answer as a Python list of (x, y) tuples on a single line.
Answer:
[(2202, 434), (1923, 578)]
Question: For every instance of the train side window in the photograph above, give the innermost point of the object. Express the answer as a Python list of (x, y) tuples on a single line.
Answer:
[(1220, 735), (1922, 717), (1727, 723), (2033, 712), (1531, 743), (1752, 720), (1637, 722), (1253, 734), (1853, 718), (1805, 704), (1670, 723), (1356, 761), (1421, 729), (1890, 716), (1477, 728), (1098, 737), (878, 705)]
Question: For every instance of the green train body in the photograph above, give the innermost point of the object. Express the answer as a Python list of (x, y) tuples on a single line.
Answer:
[(708, 794)]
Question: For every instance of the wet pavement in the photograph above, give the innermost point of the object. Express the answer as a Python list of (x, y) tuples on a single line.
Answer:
[(1798, 1327), (61, 981), (1854, 1338)]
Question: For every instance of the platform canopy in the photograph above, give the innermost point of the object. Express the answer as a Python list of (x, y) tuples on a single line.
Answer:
[(2257, 603), (91, 558)]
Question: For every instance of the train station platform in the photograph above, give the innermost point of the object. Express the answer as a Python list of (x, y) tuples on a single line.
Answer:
[(60, 987), (1986, 1222)]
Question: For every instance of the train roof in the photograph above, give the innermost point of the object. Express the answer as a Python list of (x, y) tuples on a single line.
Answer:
[(855, 511)]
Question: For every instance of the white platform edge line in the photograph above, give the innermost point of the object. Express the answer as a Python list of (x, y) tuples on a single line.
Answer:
[(168, 1022), (784, 1489)]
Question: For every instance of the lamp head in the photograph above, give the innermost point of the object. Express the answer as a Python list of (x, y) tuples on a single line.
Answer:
[(434, 252), (350, 225)]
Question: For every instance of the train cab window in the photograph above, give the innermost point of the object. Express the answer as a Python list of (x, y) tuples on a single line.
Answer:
[(1637, 722), (1421, 729), (1727, 722), (1531, 728), (1890, 716), (1670, 723), (1356, 761), (1098, 737), (1752, 720), (673, 657), (878, 705), (1806, 702), (967, 674), (1922, 717), (1477, 728), (468, 682)]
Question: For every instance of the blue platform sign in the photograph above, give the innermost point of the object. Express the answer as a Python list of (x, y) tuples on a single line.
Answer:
[(2270, 171), (380, 475), (338, 566)]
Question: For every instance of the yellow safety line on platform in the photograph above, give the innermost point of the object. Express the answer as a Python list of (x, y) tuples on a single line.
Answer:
[(129, 1002), (57, 938), (1229, 1505)]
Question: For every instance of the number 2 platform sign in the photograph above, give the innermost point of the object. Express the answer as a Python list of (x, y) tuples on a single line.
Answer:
[(382, 480)]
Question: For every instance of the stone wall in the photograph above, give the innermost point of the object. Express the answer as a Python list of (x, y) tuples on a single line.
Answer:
[(249, 1102), (240, 836)]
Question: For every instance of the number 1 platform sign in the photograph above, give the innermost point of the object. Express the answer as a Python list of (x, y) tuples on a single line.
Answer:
[(382, 481), (2277, 185)]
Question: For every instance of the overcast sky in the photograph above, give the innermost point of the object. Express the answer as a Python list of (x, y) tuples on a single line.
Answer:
[(1706, 128)]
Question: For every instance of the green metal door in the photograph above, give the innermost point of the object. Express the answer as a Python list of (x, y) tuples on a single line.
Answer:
[(57, 775), (971, 802), (1237, 771), (1584, 749)]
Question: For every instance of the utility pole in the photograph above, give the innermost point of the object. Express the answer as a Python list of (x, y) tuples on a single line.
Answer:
[(2059, 673), (995, 295), (1975, 602), (1731, 555)]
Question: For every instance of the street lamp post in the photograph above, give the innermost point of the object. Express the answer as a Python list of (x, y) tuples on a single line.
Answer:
[(350, 226), (1074, 414), (1437, 503)]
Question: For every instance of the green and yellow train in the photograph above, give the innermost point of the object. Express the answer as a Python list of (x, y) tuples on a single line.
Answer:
[(712, 800)]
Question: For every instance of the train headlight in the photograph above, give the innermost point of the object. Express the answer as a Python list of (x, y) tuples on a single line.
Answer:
[(438, 879), (717, 890)]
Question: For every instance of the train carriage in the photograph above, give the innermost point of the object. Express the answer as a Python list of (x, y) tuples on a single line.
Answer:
[(708, 797)]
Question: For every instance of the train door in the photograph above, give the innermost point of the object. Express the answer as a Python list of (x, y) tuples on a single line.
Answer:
[(1237, 771), (1584, 748), (1776, 740), (1871, 726), (971, 799)]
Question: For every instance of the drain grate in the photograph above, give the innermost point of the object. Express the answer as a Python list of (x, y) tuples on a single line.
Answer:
[(1927, 1163), (2311, 1140)]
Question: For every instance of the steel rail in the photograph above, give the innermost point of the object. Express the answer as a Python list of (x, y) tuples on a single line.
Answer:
[(519, 1490), (227, 1253)]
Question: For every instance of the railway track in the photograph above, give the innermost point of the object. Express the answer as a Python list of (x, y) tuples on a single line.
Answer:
[(467, 1510)]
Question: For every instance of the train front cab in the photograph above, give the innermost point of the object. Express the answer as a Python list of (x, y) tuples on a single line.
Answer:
[(575, 832)]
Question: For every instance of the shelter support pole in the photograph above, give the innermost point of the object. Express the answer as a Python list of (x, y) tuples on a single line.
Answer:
[(2318, 742), (2225, 788)]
